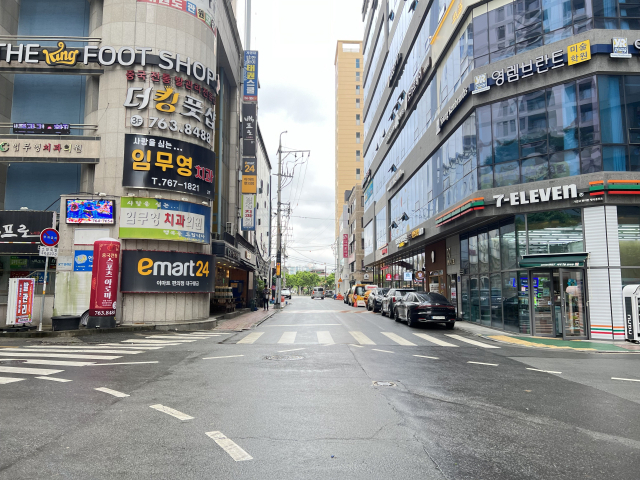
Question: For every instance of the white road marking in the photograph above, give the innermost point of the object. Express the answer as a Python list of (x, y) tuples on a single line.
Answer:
[(29, 371), (252, 337), (115, 393), (288, 337), (354, 345), (482, 363), (325, 338), (626, 379), (58, 363), (292, 350), (124, 363), (435, 340), (59, 355), (229, 446), (5, 380), (172, 412), (362, 339), (398, 339), (54, 379), (83, 350), (226, 356), (468, 340), (545, 371), (306, 325), (385, 351), (169, 338), (136, 347), (424, 356), (154, 342)]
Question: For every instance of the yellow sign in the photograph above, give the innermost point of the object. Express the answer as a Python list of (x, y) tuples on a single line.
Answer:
[(579, 52), (278, 269), (249, 184), (61, 56), (340, 280)]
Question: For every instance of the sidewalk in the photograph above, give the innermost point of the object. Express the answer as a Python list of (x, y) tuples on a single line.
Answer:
[(245, 321), (600, 346)]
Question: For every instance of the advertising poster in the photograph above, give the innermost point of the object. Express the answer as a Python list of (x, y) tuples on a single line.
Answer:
[(104, 278), (249, 175), (90, 211), (159, 219), (83, 261), (167, 272), (20, 300), (248, 212), (249, 126), (168, 164), (20, 230), (345, 245), (203, 10), (250, 80)]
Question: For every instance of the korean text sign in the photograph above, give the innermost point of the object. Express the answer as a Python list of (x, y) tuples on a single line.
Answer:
[(23, 297), (249, 126), (83, 261), (249, 175), (168, 164), (250, 87), (248, 212), (104, 278), (345, 245), (148, 218), (22, 226), (167, 272)]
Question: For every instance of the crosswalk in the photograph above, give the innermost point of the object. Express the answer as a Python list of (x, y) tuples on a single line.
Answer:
[(325, 337), (33, 360)]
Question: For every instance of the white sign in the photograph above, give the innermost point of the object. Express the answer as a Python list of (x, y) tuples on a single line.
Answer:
[(538, 195), (408, 276), (395, 179), (620, 48), (64, 263), (48, 251)]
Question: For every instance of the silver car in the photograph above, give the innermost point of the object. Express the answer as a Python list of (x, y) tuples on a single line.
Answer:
[(318, 292)]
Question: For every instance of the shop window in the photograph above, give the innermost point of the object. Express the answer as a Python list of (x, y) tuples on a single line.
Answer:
[(473, 254), (630, 276), (557, 231), (629, 235), (508, 245), (474, 296), (496, 300), (464, 295), (483, 252), (524, 325), (485, 299), (494, 249), (464, 255)]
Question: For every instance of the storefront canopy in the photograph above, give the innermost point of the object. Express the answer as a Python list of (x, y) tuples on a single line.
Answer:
[(554, 260)]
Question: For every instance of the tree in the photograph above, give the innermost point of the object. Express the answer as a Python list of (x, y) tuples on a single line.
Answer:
[(330, 281)]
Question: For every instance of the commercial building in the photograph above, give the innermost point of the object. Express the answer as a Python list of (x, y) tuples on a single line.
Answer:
[(355, 261), (502, 141), (122, 118)]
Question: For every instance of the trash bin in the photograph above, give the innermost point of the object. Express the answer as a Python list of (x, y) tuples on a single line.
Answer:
[(65, 322)]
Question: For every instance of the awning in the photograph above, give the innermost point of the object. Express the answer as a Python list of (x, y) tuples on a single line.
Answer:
[(554, 260)]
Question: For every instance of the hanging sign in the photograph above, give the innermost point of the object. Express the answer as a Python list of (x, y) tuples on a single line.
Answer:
[(249, 127), (345, 245), (249, 175), (248, 213), (104, 278), (250, 80)]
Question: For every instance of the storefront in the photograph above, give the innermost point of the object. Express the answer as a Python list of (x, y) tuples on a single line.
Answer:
[(234, 280)]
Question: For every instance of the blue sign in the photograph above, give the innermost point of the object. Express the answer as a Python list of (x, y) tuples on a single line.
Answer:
[(83, 260), (250, 76), (39, 276), (49, 237)]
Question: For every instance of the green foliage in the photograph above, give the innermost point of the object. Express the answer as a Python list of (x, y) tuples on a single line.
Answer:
[(330, 281)]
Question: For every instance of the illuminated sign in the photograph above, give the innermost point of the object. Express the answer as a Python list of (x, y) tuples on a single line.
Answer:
[(538, 195), (61, 56), (42, 128), (417, 232)]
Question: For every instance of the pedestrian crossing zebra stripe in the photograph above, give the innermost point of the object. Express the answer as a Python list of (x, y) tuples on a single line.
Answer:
[(83, 350), (29, 371), (59, 355), (361, 338), (251, 338), (5, 380)]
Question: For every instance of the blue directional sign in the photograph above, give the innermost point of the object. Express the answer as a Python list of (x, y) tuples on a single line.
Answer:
[(49, 237)]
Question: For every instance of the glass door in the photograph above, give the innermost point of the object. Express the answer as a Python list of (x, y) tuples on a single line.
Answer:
[(574, 314), (542, 302)]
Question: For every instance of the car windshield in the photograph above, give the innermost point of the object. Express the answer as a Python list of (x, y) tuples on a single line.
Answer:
[(359, 290), (402, 293), (435, 297), (382, 291)]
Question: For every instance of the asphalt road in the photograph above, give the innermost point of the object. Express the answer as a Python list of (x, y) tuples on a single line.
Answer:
[(295, 398)]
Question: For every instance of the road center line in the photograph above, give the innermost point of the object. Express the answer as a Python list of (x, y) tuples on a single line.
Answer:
[(626, 379), (172, 412), (483, 363), (229, 446), (424, 356), (226, 356), (385, 351), (292, 350), (115, 393), (54, 379), (545, 371)]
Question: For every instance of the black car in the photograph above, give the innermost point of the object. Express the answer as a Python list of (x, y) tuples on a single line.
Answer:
[(416, 308), (393, 295), (374, 303)]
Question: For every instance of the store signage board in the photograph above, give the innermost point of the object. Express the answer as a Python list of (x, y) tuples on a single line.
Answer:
[(408, 276), (65, 263), (203, 10), (49, 237), (20, 300), (620, 48), (250, 76), (248, 213), (249, 127), (388, 277), (249, 175), (18, 148), (159, 219), (345, 245), (539, 195), (104, 278), (168, 164), (167, 272), (83, 261), (48, 251), (42, 128)]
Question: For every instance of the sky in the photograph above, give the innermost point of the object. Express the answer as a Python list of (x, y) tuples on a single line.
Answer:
[(296, 43)]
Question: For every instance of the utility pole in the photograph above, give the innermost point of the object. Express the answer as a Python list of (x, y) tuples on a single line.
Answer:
[(279, 220), (247, 26)]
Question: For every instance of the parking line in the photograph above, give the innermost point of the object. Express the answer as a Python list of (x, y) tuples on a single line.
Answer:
[(626, 379), (172, 412), (115, 393), (226, 356), (424, 356), (544, 371), (468, 340), (385, 351), (54, 379), (229, 446), (483, 363)]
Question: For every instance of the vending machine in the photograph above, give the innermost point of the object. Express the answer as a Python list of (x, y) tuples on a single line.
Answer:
[(631, 298)]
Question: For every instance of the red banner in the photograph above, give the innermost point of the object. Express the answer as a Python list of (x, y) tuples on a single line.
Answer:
[(24, 304), (345, 245), (104, 278)]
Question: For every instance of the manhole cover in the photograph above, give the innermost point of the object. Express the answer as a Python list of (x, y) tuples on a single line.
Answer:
[(283, 357), (384, 384)]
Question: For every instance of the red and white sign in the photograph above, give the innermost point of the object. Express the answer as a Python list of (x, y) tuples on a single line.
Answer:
[(104, 278), (388, 277), (20, 300), (384, 250), (345, 246)]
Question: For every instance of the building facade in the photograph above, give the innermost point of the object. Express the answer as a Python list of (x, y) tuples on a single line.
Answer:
[(355, 261), (465, 103)]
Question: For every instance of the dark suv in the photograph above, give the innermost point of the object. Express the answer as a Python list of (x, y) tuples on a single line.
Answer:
[(374, 303), (390, 298)]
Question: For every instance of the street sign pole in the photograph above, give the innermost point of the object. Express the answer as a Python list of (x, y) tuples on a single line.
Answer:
[(49, 237), (44, 291)]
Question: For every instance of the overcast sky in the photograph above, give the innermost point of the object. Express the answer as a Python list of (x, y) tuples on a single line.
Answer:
[(296, 41)]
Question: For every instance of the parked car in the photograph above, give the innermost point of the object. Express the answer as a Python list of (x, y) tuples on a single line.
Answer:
[(355, 293), (418, 307), (346, 296), (318, 292), (286, 293), (374, 302), (390, 299), (328, 294)]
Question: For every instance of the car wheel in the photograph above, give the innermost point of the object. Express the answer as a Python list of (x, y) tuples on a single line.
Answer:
[(449, 326), (382, 311), (395, 315), (410, 323), (392, 313)]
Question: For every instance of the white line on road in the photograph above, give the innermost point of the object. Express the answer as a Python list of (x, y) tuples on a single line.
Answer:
[(252, 337), (136, 347), (59, 355), (545, 371), (306, 325), (229, 446), (82, 350), (54, 379), (5, 380), (226, 356), (385, 351), (424, 356), (398, 339), (482, 363), (435, 340), (56, 363), (292, 350), (153, 342), (29, 371), (626, 379), (354, 345), (100, 348), (115, 393), (468, 340), (361, 338), (172, 412), (124, 363), (325, 338), (168, 338), (288, 337)]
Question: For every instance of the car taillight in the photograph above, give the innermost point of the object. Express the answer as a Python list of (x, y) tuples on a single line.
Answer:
[(393, 299), (424, 306)]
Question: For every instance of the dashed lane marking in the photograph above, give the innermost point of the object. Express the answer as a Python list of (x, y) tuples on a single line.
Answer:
[(435, 340), (54, 379), (385, 351), (425, 356), (115, 393), (29, 371), (172, 412), (5, 380), (398, 339), (60, 355), (361, 338), (626, 379), (544, 371), (325, 338), (251, 338), (226, 356), (124, 363), (229, 446), (483, 363), (288, 337), (468, 340), (56, 363), (292, 350)]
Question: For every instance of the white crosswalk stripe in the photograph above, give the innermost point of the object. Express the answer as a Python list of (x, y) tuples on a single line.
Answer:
[(5, 380), (136, 347), (435, 340), (362, 339), (101, 347), (251, 338), (288, 337), (171, 338), (398, 339), (59, 355), (57, 363), (81, 350), (29, 371), (153, 342), (472, 342), (54, 379), (325, 338)]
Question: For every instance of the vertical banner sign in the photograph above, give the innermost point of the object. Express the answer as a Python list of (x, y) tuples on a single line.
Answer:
[(249, 177), (345, 246), (248, 212), (250, 80), (104, 278), (20, 300), (249, 125)]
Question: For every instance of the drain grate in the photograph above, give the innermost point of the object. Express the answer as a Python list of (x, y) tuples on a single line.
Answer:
[(283, 357), (384, 384)]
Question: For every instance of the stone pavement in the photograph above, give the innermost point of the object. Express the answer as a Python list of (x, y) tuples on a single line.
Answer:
[(246, 321)]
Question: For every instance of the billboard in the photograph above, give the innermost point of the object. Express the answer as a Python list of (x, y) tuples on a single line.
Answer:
[(104, 278), (345, 245), (90, 211), (167, 272), (168, 164), (248, 212), (249, 126), (249, 175), (250, 80), (20, 300), (159, 219)]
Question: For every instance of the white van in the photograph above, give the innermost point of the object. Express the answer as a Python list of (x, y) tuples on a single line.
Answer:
[(318, 292)]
